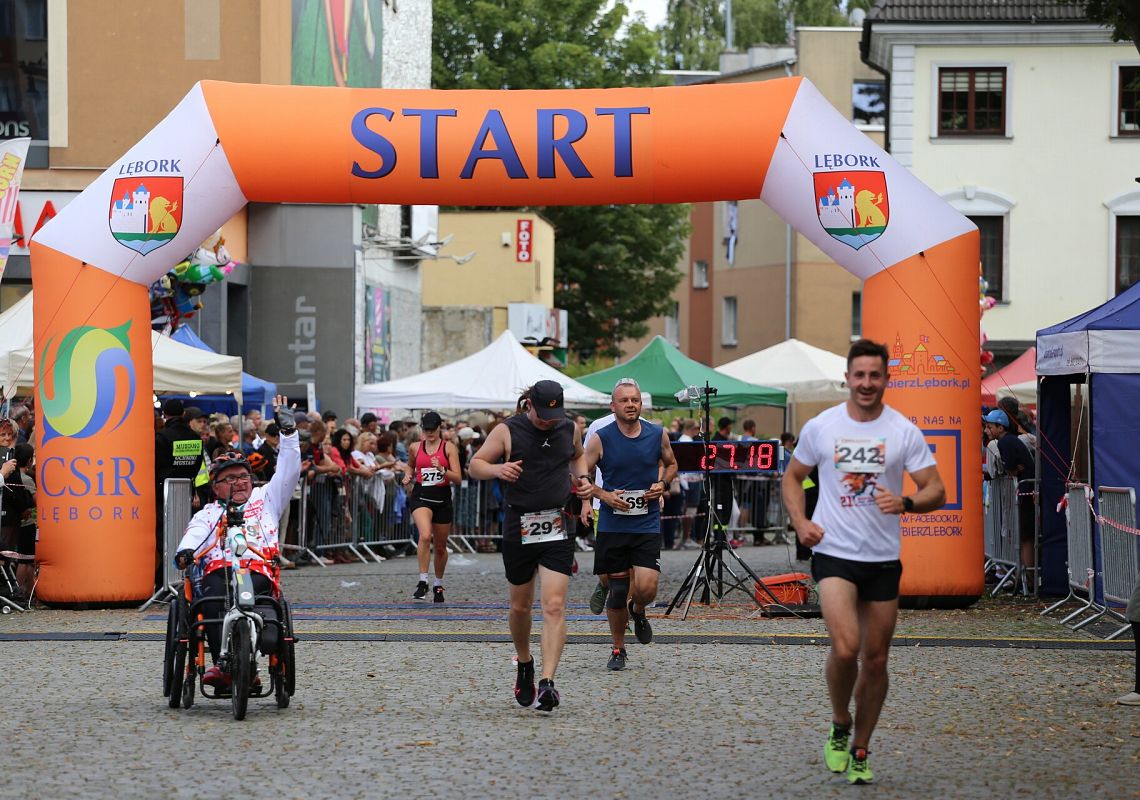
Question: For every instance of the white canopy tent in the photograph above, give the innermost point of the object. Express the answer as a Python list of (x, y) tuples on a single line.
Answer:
[(177, 367), (494, 377), (806, 373)]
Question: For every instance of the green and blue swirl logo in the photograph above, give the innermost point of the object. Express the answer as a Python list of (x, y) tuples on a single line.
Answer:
[(91, 365)]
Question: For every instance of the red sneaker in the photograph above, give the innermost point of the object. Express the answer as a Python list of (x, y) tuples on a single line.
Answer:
[(216, 678)]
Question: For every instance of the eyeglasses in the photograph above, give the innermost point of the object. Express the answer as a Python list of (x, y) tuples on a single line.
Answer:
[(232, 479)]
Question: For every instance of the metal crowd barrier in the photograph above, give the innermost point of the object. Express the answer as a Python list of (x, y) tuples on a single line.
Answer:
[(761, 506), (177, 510), (1080, 555), (1118, 549), (370, 518), (380, 517), (326, 517), (1003, 524), (990, 527)]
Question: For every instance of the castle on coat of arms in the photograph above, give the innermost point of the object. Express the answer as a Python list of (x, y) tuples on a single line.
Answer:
[(129, 213)]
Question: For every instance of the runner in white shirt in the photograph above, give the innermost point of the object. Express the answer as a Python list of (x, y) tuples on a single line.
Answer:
[(862, 449)]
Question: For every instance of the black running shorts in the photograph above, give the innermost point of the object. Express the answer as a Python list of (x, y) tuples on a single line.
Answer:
[(521, 561), (617, 552), (441, 513), (875, 581)]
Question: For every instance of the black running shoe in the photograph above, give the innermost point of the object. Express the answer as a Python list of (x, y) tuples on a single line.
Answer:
[(421, 590), (641, 627), (524, 684), (617, 660), (437, 594), (547, 695)]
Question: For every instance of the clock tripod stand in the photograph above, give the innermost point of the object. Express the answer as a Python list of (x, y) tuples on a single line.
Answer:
[(708, 571)]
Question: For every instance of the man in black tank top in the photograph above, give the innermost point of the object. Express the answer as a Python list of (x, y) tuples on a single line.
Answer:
[(538, 456)]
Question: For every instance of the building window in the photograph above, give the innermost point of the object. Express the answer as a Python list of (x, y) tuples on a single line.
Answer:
[(971, 101), (673, 326), (700, 274), (868, 103), (23, 70), (728, 323), (1127, 252), (1128, 101), (406, 223), (992, 252), (856, 315)]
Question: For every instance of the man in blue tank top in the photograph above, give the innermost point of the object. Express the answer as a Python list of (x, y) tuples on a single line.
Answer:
[(637, 463)]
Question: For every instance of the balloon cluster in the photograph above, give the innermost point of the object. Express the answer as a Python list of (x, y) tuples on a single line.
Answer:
[(177, 295), (985, 303)]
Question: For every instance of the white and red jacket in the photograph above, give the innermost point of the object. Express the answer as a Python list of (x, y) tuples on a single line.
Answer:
[(262, 512)]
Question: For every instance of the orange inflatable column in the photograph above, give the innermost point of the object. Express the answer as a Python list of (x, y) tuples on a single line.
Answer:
[(95, 430), (926, 311)]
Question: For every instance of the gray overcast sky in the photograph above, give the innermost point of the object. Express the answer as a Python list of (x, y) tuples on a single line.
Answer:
[(654, 10)]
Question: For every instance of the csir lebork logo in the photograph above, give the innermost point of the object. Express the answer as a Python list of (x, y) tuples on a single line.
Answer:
[(91, 383), (852, 204)]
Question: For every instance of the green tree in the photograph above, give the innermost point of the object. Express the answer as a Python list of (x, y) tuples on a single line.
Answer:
[(615, 266), (693, 34), (770, 21), (621, 271), (1123, 16)]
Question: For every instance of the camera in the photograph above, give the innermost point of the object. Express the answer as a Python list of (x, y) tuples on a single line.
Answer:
[(691, 394)]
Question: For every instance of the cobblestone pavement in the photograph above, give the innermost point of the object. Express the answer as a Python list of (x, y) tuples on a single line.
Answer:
[(994, 701)]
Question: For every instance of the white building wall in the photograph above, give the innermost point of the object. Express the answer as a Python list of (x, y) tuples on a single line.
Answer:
[(1057, 172)]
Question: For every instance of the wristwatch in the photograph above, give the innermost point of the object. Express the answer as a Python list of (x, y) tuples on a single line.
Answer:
[(908, 505)]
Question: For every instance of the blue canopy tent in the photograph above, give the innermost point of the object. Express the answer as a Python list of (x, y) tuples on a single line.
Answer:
[(1101, 348), (256, 393)]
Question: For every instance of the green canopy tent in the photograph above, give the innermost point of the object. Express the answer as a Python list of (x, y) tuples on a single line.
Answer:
[(663, 370)]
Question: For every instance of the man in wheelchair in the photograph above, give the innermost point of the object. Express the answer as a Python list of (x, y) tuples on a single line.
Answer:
[(203, 544)]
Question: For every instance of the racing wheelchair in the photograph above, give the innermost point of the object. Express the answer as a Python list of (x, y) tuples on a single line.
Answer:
[(185, 655)]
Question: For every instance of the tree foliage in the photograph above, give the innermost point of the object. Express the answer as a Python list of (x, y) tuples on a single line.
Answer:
[(615, 266), (1123, 16), (693, 35)]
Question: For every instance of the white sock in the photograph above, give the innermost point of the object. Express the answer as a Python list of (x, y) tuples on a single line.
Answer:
[(423, 577), (439, 581)]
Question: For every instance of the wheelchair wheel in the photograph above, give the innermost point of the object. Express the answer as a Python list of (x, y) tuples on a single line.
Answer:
[(240, 654), (174, 658), (290, 671), (168, 651)]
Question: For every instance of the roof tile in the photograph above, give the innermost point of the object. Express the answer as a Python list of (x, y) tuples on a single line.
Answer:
[(1030, 11)]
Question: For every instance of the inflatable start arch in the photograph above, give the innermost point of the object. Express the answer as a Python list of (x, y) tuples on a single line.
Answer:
[(228, 144)]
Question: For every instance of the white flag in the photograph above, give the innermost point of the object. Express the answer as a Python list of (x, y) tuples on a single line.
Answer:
[(13, 154)]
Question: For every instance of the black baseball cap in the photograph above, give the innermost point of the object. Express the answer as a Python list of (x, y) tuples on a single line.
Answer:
[(328, 415), (546, 399), (430, 421), (193, 412), (172, 408)]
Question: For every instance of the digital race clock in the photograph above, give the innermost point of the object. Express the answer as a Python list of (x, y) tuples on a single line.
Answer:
[(722, 457)]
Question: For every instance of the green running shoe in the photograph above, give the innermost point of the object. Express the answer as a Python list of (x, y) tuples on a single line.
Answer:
[(598, 599), (835, 750), (859, 768)]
